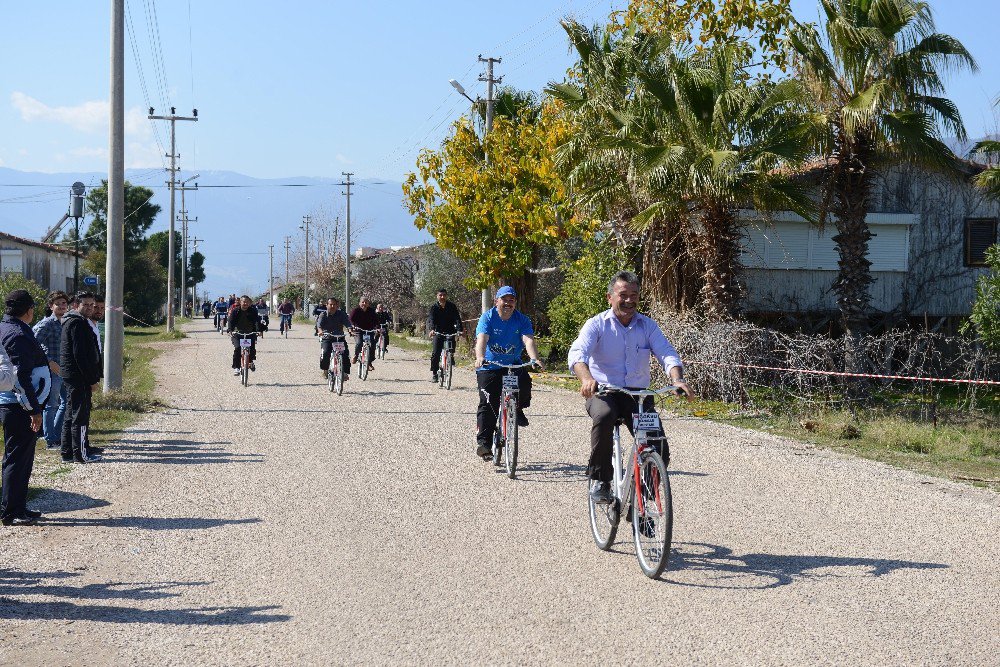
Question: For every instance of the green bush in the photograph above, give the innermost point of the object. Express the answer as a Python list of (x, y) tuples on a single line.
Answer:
[(985, 316), (584, 292), (12, 281)]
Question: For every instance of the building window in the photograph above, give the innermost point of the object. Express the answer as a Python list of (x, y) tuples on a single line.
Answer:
[(11, 261), (980, 234)]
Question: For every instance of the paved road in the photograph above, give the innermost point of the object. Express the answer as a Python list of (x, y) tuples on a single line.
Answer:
[(283, 525)]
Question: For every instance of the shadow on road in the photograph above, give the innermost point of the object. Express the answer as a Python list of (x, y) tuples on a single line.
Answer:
[(718, 567), (14, 584), (183, 452), (552, 472), (146, 523), (56, 500)]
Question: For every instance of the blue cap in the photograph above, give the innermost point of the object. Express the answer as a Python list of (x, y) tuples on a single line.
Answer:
[(506, 290)]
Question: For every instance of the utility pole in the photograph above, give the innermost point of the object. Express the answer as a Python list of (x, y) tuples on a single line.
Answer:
[(173, 118), (306, 221), (288, 244), (114, 340), (184, 242), (270, 279), (490, 82), (347, 256)]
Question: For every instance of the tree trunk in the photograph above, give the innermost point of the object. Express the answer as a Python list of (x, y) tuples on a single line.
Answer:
[(671, 275), (718, 245), (852, 190), (526, 286)]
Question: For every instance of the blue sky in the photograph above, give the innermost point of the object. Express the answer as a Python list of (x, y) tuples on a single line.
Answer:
[(311, 88)]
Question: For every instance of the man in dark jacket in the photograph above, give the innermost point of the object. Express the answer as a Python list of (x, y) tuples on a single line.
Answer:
[(244, 320), (443, 319), (21, 408), (80, 363), (333, 322), (363, 317)]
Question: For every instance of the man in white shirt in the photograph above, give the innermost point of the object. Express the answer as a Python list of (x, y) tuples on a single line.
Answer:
[(614, 348)]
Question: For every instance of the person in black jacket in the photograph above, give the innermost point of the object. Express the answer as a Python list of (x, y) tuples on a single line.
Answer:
[(244, 320), (80, 363), (333, 322), (443, 318), (21, 408)]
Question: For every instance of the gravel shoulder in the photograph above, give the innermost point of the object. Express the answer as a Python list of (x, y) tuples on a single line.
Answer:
[(282, 524)]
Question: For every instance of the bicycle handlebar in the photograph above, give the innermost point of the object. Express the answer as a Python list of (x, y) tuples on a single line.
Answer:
[(604, 389), (359, 329), (509, 366), (327, 334)]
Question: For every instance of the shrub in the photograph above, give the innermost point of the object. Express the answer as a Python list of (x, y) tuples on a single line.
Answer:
[(12, 281)]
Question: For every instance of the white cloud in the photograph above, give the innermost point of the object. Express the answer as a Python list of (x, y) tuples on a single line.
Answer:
[(92, 116), (343, 159)]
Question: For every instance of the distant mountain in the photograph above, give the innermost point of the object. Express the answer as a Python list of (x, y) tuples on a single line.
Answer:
[(238, 215)]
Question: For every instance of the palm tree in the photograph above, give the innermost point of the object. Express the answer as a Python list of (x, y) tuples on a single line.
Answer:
[(695, 140), (876, 72)]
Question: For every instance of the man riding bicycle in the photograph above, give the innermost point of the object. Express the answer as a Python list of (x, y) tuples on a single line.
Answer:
[(443, 318), (263, 314), (221, 308), (501, 335), (243, 320), (384, 322), (285, 311), (614, 348), (333, 322), (363, 318)]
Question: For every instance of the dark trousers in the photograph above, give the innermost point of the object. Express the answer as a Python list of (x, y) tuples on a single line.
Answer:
[(490, 387), (76, 420), (18, 458), (605, 411), (326, 345), (436, 351), (238, 351), (358, 342)]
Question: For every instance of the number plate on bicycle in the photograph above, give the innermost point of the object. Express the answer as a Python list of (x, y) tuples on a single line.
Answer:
[(245, 342), (339, 347), (367, 338), (646, 421), (510, 381)]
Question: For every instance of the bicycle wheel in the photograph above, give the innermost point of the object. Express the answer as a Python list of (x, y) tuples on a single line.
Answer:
[(604, 521), (441, 366), (449, 365), (245, 371), (510, 442), (652, 515), (363, 362)]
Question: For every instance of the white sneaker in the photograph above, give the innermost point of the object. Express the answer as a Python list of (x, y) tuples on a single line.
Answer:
[(236, 371)]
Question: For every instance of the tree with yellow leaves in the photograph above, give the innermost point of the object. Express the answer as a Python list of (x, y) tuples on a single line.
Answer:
[(496, 213)]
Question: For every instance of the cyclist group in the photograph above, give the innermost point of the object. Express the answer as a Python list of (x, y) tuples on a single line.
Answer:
[(613, 349)]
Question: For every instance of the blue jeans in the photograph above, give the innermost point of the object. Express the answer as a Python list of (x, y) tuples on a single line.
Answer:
[(55, 409)]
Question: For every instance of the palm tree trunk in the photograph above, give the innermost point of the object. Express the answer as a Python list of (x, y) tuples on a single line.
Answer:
[(852, 188), (719, 245), (671, 275)]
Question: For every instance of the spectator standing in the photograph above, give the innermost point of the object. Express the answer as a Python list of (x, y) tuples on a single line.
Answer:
[(80, 361), (21, 406), (48, 333)]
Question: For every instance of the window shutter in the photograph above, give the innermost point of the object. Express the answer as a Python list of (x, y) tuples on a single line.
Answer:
[(980, 234)]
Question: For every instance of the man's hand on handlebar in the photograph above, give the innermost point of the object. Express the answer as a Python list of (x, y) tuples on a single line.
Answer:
[(682, 389), (588, 387), (480, 362)]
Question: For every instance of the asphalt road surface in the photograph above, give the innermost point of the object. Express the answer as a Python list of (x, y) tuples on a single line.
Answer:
[(281, 524)]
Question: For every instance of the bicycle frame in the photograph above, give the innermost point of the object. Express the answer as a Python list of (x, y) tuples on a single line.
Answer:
[(625, 485)]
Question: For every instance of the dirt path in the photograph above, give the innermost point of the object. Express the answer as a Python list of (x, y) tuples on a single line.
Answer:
[(280, 524)]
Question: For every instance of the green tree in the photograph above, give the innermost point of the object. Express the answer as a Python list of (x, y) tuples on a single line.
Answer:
[(196, 269), (441, 269), (700, 141), (875, 68), (985, 316), (145, 289), (158, 246), (294, 294), (12, 281), (139, 217)]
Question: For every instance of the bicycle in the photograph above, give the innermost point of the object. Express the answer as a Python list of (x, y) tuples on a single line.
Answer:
[(246, 342), (366, 351), (286, 324), (446, 367), (220, 322), (383, 341), (505, 433), (335, 376), (641, 485)]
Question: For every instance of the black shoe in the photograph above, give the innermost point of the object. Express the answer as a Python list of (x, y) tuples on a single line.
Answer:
[(88, 459), (253, 369), (522, 421), (347, 376), (371, 367), (95, 450), (67, 459), (483, 450), (53, 446), (600, 492), (434, 378), (24, 520), (33, 514)]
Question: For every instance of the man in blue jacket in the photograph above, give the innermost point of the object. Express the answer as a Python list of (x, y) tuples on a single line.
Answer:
[(21, 407)]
